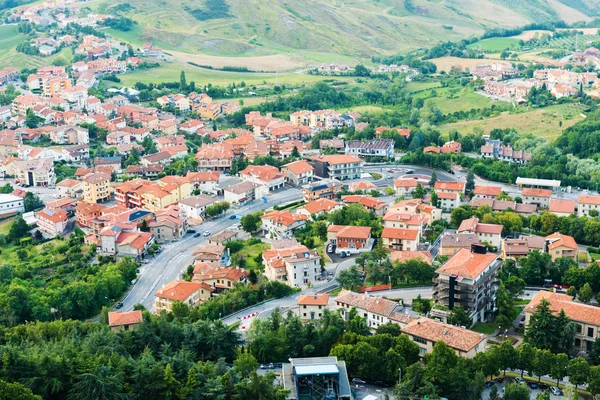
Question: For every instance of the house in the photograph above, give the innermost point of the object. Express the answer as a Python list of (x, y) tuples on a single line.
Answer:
[(448, 200), (298, 173), (219, 278), (310, 307), (588, 206), (263, 175), (488, 233), (405, 187), (189, 293), (468, 279), (539, 197), (401, 131), (337, 166), (321, 189), (124, 321), (350, 239), (585, 316), (223, 237), (399, 239), (407, 255), (11, 205), (501, 205), (372, 148), (517, 248), (561, 208), (69, 188), (52, 222), (282, 224), (214, 157), (561, 246), (243, 192), (193, 208), (487, 192), (316, 208), (396, 219), (113, 162), (335, 144), (364, 186), (124, 241), (211, 255), (160, 158), (451, 243), (378, 206), (39, 172), (375, 310), (426, 332), (205, 182), (168, 227), (96, 187), (449, 187), (294, 265)]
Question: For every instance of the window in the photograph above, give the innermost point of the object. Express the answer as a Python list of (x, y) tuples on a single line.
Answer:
[(419, 340), (590, 332)]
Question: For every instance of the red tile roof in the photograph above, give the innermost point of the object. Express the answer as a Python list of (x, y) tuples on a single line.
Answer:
[(116, 318), (313, 300), (558, 239), (487, 190), (434, 331), (467, 264), (537, 192), (562, 206), (181, 290), (399, 233)]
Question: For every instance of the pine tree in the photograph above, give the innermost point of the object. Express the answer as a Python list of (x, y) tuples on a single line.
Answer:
[(470, 185), (419, 192), (434, 199), (433, 179), (182, 82)]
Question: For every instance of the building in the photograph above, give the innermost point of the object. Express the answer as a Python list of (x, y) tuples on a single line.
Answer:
[(319, 207), (406, 255), (167, 227), (426, 332), (189, 293), (282, 224), (548, 184), (243, 192), (193, 208), (585, 316), (124, 241), (561, 208), (124, 321), (488, 233), (588, 206), (451, 243), (561, 246), (223, 237), (448, 201), (263, 175), (396, 219), (468, 279), (52, 222), (487, 192), (399, 239), (336, 166), (375, 310), (298, 173), (11, 205), (219, 278), (310, 307), (449, 187), (296, 265), (371, 148), (322, 189), (539, 197), (36, 172), (517, 248), (96, 187), (405, 187), (316, 378), (350, 239), (502, 205), (213, 255)]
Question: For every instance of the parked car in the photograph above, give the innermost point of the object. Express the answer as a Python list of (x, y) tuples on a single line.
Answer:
[(532, 385), (263, 366), (119, 305), (410, 171), (330, 248), (520, 381), (197, 234), (489, 384), (233, 217), (206, 233), (556, 391), (343, 254), (359, 381), (191, 231)]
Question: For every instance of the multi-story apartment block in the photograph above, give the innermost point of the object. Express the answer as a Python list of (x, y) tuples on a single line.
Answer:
[(376, 310), (372, 148), (587, 205), (337, 166), (36, 172), (296, 266), (298, 173), (96, 187)]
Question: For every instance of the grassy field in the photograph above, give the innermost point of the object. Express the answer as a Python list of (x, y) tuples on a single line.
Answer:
[(447, 63), (543, 122), (249, 255), (418, 86), (5, 225), (453, 99), (495, 44), (484, 327)]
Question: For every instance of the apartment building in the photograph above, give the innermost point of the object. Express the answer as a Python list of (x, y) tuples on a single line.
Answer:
[(587, 205), (468, 279), (383, 148), (337, 166), (282, 224), (37, 172), (486, 192), (52, 222), (449, 187), (350, 239), (376, 310), (298, 173), (96, 187), (404, 187), (296, 266), (189, 293), (399, 239), (322, 189), (489, 233), (264, 175), (310, 307), (10, 205), (539, 197)]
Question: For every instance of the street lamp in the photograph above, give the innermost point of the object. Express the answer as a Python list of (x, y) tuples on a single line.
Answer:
[(399, 375)]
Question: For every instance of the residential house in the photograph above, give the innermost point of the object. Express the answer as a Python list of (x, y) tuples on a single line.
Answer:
[(263, 175), (487, 192), (399, 239), (296, 266), (168, 226), (404, 187), (310, 307), (124, 321), (407, 255), (321, 189), (468, 279), (282, 224), (211, 255), (561, 246), (396, 219), (193, 209), (337, 166), (372, 148), (205, 182), (96, 187), (588, 206), (449, 187), (488, 233), (517, 248), (316, 208), (501, 205), (448, 200), (10, 205), (223, 237), (220, 278), (451, 243), (378, 206), (215, 157), (376, 311), (561, 208), (113, 162), (52, 222), (243, 192), (69, 188), (298, 173), (426, 332), (350, 239), (539, 197), (189, 293)]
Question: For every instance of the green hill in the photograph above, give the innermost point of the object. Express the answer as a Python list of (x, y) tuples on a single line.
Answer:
[(321, 30)]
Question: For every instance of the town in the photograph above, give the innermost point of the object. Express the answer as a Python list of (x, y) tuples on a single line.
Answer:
[(346, 238)]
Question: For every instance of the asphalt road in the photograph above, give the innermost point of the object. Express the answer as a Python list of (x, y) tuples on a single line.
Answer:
[(175, 257)]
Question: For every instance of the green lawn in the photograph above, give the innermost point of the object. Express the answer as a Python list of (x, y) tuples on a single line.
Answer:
[(457, 98), (418, 86), (495, 44), (595, 256), (249, 255), (484, 327), (5, 225)]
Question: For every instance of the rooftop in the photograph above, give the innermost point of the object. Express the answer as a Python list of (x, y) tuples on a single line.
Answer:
[(434, 331), (467, 264)]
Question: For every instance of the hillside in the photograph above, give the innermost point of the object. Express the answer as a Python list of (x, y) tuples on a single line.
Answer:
[(327, 30)]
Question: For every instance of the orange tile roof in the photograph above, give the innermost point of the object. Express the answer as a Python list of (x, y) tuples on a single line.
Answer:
[(400, 233), (558, 239), (361, 185), (487, 190), (335, 159), (375, 305), (452, 186), (434, 331), (313, 300), (299, 167), (356, 232), (575, 311), (403, 256), (588, 200), (283, 217), (181, 290), (537, 192), (320, 205), (447, 195), (53, 215), (116, 318), (409, 219), (407, 183), (562, 206), (467, 264), (265, 173)]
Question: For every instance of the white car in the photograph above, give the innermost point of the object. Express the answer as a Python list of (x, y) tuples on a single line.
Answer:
[(206, 233)]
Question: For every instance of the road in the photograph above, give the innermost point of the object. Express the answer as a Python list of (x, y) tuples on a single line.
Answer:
[(175, 257)]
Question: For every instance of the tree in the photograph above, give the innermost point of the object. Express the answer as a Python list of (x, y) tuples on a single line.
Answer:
[(504, 304), (507, 356), (594, 380), (133, 158), (295, 152), (515, 391), (361, 70), (559, 367), (16, 391), (32, 202), (542, 364), (585, 293), (525, 357), (98, 385), (350, 279), (31, 120), (540, 331), (420, 305), (18, 229), (251, 222), (433, 179), (470, 184), (494, 393), (419, 192), (182, 82), (245, 363), (435, 201), (458, 316), (578, 371), (6, 189), (459, 214)]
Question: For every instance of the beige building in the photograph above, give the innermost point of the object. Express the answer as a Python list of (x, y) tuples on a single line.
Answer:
[(587, 317), (190, 293), (96, 187), (539, 197), (426, 332), (52, 222), (489, 233), (298, 173), (38, 172), (586, 204), (124, 321), (451, 243), (295, 265), (69, 188), (561, 246), (399, 239), (376, 310), (310, 307)]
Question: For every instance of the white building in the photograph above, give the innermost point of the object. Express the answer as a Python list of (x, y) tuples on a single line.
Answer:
[(10, 205)]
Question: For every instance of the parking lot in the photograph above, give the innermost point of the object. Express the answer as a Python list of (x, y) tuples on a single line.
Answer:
[(533, 386)]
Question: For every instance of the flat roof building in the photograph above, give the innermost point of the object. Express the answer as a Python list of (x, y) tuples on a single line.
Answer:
[(316, 378)]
